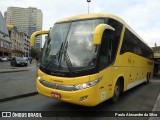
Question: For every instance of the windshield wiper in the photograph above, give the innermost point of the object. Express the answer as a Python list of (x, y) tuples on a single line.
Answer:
[(57, 56), (68, 60)]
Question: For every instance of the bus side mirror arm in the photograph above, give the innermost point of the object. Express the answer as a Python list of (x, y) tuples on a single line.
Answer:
[(35, 34), (98, 33)]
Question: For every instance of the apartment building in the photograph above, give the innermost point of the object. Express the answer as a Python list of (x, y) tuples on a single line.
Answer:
[(27, 20)]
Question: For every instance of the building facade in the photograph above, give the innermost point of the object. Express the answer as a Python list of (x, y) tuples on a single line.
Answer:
[(27, 20), (156, 50), (26, 44), (20, 42), (5, 42), (17, 41)]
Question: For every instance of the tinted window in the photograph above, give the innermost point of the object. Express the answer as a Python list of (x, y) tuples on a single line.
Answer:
[(127, 45), (110, 43), (117, 33), (133, 44), (105, 55)]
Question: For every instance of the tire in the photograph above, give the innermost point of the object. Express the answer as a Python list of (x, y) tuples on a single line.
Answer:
[(148, 78), (117, 92)]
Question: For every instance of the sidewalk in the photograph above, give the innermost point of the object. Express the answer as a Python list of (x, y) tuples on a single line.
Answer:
[(15, 69)]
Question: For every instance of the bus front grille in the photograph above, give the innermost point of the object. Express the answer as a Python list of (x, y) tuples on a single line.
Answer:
[(57, 86)]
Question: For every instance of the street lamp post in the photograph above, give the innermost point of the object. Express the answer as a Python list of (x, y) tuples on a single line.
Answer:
[(88, 5), (3, 44)]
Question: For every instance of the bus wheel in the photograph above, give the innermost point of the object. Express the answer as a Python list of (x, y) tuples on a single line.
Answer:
[(148, 78), (117, 91)]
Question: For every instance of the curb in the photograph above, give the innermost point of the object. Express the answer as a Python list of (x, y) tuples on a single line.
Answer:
[(18, 96), (8, 71)]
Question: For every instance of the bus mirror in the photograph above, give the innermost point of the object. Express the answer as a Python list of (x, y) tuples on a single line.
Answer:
[(35, 34), (98, 33)]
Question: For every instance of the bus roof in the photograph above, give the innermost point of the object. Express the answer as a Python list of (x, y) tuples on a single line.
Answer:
[(100, 15), (90, 16)]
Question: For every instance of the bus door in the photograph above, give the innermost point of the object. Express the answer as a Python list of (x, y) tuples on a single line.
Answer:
[(105, 59)]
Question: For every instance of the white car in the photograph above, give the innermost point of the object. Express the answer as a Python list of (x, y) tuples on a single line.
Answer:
[(4, 59)]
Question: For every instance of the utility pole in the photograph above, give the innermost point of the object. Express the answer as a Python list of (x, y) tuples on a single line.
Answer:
[(88, 5), (3, 44)]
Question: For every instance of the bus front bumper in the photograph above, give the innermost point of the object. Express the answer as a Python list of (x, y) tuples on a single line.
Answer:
[(86, 97)]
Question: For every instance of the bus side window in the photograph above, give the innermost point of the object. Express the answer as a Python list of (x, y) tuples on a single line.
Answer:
[(111, 47), (116, 35), (105, 55), (133, 44)]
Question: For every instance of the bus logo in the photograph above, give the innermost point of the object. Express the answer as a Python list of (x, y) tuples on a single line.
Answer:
[(58, 74)]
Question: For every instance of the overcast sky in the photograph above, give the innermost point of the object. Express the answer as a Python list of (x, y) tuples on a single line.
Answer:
[(141, 15)]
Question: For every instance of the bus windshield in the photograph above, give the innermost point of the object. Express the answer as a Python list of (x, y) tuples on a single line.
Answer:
[(70, 45)]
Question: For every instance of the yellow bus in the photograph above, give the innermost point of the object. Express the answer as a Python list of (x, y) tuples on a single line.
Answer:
[(88, 59)]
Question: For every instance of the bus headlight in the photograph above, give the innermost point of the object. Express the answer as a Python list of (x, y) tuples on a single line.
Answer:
[(88, 84), (39, 78)]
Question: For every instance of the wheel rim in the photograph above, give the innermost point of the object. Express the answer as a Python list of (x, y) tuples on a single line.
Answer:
[(116, 92), (148, 78)]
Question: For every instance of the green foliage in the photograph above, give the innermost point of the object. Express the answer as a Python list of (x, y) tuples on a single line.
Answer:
[(35, 52)]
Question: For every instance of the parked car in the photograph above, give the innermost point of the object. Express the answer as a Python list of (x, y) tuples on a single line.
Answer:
[(26, 58), (18, 61), (9, 58), (3, 59)]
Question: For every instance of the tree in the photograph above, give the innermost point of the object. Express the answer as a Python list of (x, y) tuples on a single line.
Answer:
[(35, 52)]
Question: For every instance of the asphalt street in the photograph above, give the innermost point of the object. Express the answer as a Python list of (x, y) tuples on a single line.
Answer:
[(140, 98), (17, 83)]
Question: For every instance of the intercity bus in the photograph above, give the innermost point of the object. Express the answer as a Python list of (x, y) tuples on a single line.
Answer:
[(88, 59)]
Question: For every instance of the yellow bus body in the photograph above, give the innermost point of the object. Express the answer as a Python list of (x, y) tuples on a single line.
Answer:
[(131, 74)]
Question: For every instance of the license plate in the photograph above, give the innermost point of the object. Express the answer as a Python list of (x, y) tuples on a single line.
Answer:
[(55, 95)]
